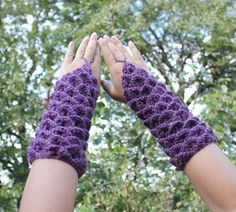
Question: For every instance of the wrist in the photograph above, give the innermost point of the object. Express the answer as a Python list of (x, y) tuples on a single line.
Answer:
[(180, 133), (64, 130)]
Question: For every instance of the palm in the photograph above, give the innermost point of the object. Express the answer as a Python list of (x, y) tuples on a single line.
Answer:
[(113, 51), (87, 51)]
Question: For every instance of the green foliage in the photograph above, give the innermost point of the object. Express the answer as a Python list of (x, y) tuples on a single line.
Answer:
[(222, 118), (188, 44)]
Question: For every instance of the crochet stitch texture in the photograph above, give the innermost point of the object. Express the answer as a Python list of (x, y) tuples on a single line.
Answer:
[(64, 129), (179, 133)]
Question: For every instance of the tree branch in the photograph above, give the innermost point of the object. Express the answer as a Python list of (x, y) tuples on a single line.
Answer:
[(200, 90)]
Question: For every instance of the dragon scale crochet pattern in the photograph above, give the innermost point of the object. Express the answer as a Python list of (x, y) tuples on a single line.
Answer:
[(180, 134), (64, 129)]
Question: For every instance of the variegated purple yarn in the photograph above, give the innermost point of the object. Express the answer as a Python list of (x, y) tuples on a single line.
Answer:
[(179, 133), (64, 129)]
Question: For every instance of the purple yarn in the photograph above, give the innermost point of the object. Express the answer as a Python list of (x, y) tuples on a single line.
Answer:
[(179, 133), (64, 129)]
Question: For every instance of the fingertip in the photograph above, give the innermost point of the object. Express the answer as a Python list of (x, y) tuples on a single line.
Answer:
[(71, 44), (114, 38), (100, 41), (106, 38), (131, 44), (82, 47), (69, 53), (94, 35)]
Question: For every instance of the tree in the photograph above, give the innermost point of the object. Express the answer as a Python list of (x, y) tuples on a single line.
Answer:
[(189, 45)]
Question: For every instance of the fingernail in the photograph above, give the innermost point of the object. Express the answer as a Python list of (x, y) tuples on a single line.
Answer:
[(94, 34), (106, 37), (100, 40), (71, 44), (131, 43), (113, 37)]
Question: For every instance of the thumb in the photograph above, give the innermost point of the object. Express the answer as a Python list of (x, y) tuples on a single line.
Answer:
[(108, 87)]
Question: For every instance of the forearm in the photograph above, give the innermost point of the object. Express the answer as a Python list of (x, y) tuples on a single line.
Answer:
[(51, 186), (214, 177), (58, 153), (185, 139), (180, 134)]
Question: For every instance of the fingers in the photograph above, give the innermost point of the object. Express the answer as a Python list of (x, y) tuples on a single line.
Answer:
[(91, 47), (96, 65), (114, 49), (121, 47), (135, 52), (69, 53), (106, 53), (81, 50), (138, 59), (97, 57)]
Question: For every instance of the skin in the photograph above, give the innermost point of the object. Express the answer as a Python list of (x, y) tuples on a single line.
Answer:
[(51, 184), (209, 170), (114, 53)]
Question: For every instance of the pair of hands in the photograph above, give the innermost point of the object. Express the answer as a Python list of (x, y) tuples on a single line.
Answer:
[(113, 52)]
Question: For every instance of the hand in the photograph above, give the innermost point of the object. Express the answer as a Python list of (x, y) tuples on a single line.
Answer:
[(87, 51), (114, 53)]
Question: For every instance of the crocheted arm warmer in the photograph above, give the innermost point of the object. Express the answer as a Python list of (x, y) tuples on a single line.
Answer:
[(180, 134), (64, 129)]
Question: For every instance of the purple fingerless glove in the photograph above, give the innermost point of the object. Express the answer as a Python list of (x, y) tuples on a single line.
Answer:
[(64, 129), (179, 133)]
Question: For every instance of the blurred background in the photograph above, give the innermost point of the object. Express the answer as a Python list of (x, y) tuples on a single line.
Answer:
[(189, 45)]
